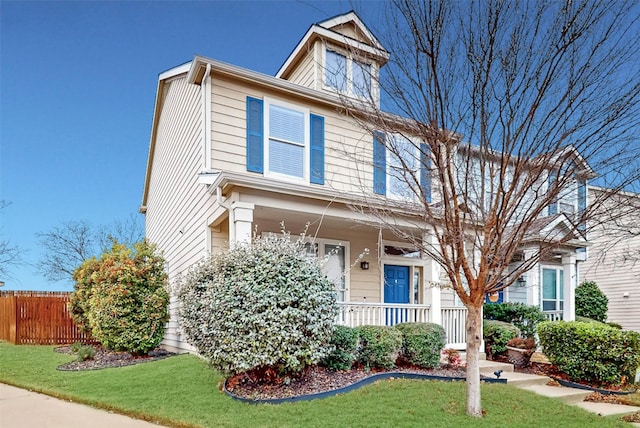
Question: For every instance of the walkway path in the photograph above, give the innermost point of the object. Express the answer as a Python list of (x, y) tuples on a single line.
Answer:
[(538, 384), (20, 408)]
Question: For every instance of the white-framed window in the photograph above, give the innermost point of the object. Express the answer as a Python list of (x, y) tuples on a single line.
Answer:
[(403, 168), (346, 74), (552, 289), (286, 140), (334, 255)]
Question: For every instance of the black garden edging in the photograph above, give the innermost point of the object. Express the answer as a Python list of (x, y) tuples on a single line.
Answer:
[(575, 385), (352, 387)]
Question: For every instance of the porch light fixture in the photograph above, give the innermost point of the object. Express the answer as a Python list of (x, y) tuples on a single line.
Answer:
[(364, 265), (522, 280)]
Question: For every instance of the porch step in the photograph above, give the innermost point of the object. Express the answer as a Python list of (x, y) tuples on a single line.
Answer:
[(568, 395), (520, 380), (488, 367)]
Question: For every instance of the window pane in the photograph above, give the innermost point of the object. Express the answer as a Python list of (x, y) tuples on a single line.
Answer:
[(334, 268), (402, 168), (336, 71), (361, 79), (286, 124), (286, 158), (548, 305), (561, 285), (416, 286), (549, 284)]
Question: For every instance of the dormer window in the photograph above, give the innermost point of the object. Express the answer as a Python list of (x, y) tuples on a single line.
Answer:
[(347, 75)]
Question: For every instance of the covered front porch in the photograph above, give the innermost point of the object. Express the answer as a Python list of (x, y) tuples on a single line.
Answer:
[(379, 281)]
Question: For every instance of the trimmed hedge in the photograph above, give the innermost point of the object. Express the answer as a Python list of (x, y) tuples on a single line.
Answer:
[(497, 333), (591, 352), (525, 317), (422, 343), (344, 343), (378, 346), (591, 302)]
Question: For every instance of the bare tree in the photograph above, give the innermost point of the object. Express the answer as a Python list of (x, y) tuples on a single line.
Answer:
[(501, 110), (68, 245), (10, 255)]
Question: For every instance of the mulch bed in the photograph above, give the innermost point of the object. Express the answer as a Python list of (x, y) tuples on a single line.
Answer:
[(105, 359), (314, 380)]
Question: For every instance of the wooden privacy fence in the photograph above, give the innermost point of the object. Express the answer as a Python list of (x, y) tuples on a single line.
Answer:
[(38, 318)]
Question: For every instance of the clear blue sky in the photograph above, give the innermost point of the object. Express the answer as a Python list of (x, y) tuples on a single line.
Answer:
[(78, 82)]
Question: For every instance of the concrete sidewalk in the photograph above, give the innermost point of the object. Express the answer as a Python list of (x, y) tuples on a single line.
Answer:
[(20, 408)]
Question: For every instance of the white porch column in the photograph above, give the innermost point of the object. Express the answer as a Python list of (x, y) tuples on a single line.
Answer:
[(532, 278), (242, 216), (432, 292), (569, 276)]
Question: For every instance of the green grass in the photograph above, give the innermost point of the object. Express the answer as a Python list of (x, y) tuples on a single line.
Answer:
[(183, 391)]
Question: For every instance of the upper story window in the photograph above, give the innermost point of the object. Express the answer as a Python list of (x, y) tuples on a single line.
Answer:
[(401, 168), (285, 141), (347, 75)]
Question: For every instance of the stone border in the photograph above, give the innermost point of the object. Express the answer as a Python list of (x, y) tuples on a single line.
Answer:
[(576, 385), (359, 384)]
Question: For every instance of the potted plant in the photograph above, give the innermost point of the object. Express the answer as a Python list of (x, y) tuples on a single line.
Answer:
[(519, 351)]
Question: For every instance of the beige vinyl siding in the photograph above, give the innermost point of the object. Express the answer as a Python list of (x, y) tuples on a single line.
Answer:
[(304, 72), (348, 150), (177, 204), (349, 30), (616, 274)]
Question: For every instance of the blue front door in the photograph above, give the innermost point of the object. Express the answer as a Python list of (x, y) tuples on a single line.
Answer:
[(396, 284), (396, 290)]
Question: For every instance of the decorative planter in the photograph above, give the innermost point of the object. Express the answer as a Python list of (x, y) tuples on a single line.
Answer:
[(519, 357)]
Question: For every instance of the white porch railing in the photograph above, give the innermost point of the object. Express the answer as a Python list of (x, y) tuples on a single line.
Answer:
[(354, 314), (553, 315), (453, 319)]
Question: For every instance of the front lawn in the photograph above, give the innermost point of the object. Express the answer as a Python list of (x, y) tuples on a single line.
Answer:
[(183, 392)]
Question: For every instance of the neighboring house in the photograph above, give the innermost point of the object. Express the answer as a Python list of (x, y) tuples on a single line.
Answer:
[(614, 258), (235, 152)]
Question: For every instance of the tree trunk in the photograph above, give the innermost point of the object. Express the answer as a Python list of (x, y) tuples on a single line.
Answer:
[(474, 338)]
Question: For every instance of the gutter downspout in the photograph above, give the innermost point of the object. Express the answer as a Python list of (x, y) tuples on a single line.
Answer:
[(206, 110)]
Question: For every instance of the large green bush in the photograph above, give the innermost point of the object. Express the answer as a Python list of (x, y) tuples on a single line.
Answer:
[(378, 346), (122, 298), (497, 333), (592, 352), (591, 302), (525, 317), (264, 305), (344, 342), (422, 343)]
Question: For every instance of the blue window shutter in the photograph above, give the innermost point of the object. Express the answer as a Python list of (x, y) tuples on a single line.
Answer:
[(317, 149), (379, 164), (255, 135), (425, 172)]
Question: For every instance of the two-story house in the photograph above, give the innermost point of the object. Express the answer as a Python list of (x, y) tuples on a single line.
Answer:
[(234, 152)]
